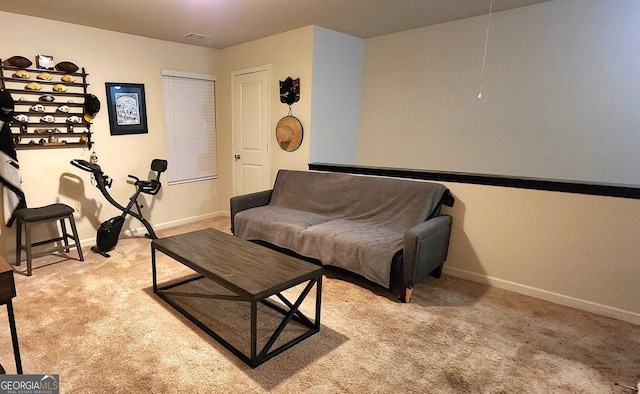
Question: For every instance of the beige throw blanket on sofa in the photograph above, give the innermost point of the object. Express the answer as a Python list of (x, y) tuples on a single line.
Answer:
[(353, 222)]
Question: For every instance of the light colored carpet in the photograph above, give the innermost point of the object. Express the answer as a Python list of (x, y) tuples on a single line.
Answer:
[(100, 327)]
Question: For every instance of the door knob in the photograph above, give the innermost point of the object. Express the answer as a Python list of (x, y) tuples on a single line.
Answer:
[(237, 157)]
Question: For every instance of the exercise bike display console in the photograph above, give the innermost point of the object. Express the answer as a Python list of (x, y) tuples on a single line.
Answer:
[(109, 231)]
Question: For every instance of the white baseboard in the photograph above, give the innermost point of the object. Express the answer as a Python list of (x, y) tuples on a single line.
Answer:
[(556, 298), (173, 223), (192, 219)]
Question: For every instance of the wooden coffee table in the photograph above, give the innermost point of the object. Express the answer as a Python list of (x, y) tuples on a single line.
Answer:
[(252, 273)]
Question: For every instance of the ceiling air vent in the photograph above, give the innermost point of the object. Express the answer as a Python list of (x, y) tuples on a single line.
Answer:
[(196, 36)]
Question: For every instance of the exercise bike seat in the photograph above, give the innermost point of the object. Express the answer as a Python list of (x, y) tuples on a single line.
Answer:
[(148, 187), (151, 186)]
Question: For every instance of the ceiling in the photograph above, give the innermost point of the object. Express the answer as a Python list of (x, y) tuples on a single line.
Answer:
[(232, 22)]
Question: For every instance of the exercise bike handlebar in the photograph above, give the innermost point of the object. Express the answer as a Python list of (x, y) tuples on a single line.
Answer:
[(87, 166)]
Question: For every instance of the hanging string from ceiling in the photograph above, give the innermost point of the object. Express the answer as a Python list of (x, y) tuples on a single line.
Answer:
[(486, 41)]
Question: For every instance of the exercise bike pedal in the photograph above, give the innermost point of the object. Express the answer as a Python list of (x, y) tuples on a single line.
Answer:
[(96, 250)]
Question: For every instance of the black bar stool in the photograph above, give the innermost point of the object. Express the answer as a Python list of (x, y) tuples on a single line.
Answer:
[(49, 213)]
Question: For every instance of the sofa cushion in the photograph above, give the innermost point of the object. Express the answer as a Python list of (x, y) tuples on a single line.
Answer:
[(254, 223), (354, 245)]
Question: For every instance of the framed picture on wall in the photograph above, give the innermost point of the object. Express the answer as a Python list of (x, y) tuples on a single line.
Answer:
[(127, 108)]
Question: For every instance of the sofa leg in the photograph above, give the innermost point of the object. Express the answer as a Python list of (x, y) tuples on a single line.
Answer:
[(437, 273), (405, 294)]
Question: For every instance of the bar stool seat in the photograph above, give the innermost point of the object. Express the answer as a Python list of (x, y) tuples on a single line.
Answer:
[(29, 216)]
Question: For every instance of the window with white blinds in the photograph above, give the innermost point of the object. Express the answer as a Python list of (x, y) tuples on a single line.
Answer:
[(189, 126)]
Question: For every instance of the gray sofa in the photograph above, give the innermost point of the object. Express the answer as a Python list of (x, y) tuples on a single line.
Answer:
[(387, 230)]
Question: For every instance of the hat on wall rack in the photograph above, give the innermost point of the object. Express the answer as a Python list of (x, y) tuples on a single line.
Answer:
[(91, 107), (289, 133), (18, 61), (6, 105)]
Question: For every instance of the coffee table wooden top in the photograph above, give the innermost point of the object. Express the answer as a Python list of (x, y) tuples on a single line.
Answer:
[(241, 266)]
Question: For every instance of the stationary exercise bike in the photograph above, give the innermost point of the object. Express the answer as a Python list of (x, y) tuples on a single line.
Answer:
[(109, 231)]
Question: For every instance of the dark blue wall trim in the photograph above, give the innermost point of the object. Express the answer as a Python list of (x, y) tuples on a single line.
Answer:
[(598, 189)]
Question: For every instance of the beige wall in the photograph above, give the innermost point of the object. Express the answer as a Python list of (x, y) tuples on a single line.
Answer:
[(419, 110), (290, 54), (573, 249), (107, 57)]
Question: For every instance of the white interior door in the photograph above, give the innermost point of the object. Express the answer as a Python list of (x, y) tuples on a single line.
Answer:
[(250, 118)]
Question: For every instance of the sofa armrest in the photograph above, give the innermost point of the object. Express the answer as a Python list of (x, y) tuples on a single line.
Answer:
[(247, 201), (425, 248)]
